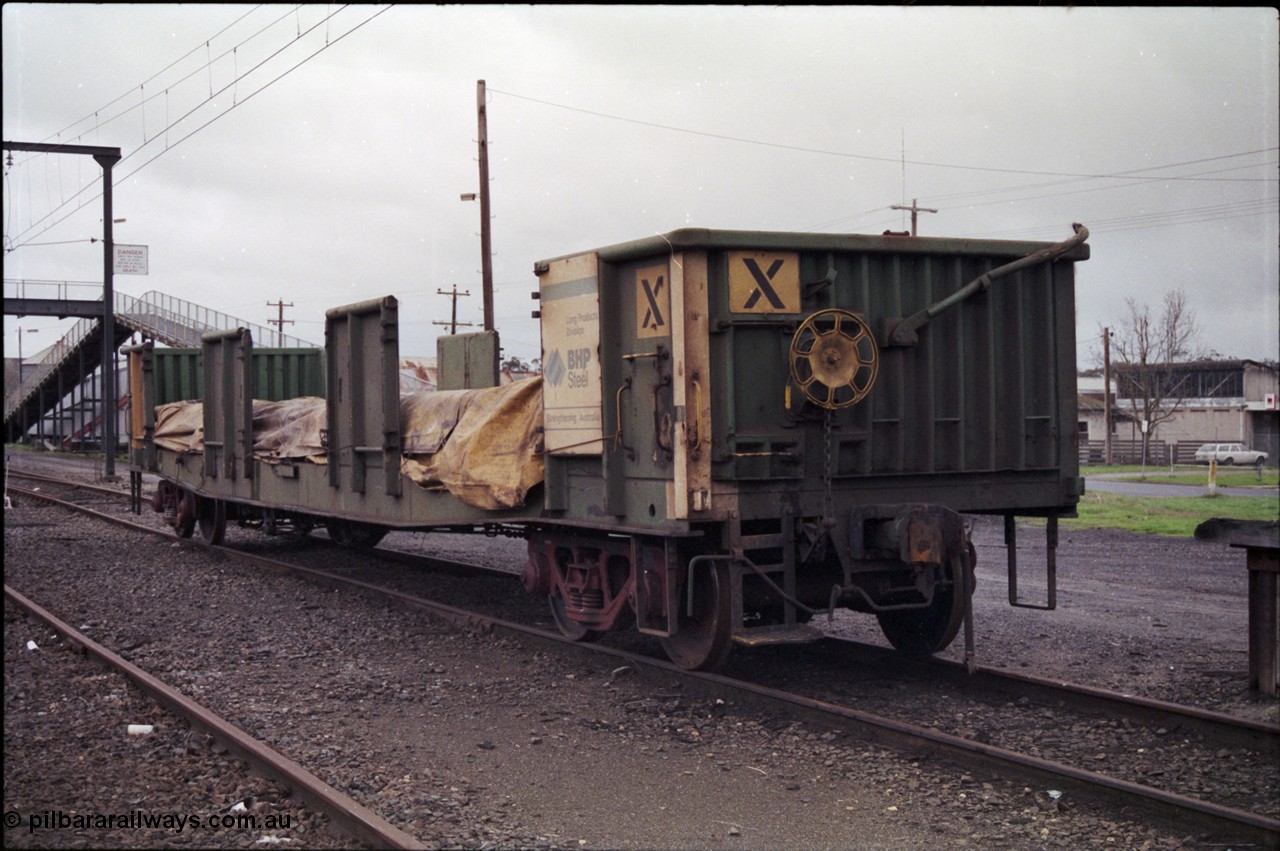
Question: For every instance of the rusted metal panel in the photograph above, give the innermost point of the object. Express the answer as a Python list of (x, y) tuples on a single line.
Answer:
[(139, 365), (691, 370)]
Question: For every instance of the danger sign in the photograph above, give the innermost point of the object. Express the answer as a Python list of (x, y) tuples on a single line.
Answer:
[(130, 259)]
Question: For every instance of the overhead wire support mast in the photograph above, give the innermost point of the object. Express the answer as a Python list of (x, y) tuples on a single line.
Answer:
[(107, 158)]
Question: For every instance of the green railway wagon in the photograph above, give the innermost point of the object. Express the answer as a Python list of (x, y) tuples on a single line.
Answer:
[(734, 431), (780, 423)]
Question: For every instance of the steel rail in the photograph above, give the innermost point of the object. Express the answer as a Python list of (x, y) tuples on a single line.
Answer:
[(84, 486), (347, 815), (1226, 729), (1230, 730), (1233, 823)]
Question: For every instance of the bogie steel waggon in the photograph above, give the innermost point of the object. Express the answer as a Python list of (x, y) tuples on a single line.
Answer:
[(733, 432)]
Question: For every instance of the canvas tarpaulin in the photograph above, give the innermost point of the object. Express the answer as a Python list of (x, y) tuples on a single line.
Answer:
[(282, 431), (180, 427), (483, 446)]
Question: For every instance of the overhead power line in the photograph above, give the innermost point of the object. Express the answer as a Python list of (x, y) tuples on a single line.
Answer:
[(1047, 185), (1135, 173), (234, 83), (157, 74), (1160, 218), (240, 101)]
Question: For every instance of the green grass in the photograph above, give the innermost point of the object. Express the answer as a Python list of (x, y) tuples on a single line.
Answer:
[(1198, 476), (1176, 516)]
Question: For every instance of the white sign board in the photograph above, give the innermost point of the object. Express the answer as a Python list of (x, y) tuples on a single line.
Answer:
[(1269, 401), (571, 400), (130, 259)]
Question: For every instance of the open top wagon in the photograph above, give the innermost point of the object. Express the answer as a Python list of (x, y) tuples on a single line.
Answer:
[(733, 431)]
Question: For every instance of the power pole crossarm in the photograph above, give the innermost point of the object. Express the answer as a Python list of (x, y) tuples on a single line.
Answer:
[(914, 208), (281, 321), (453, 322)]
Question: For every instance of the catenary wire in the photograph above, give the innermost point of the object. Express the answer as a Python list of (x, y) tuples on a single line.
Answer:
[(330, 42), (849, 155)]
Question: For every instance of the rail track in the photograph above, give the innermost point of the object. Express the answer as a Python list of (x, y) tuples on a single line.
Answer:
[(346, 815), (811, 696)]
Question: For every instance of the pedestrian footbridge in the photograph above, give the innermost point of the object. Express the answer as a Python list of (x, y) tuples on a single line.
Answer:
[(65, 381)]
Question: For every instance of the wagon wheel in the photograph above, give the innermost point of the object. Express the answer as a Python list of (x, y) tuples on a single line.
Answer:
[(702, 641), (834, 359), (185, 506), (920, 632), (351, 533), (568, 627), (211, 515)]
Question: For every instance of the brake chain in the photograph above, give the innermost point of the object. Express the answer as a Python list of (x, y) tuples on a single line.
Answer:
[(828, 510)]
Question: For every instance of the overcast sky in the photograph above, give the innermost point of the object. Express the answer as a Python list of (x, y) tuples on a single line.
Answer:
[(273, 154)]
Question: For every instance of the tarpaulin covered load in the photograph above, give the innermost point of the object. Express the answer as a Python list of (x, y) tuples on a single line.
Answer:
[(289, 430), (483, 446), (282, 431), (180, 427)]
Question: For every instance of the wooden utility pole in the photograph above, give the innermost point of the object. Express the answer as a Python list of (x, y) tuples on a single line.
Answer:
[(280, 323), (1106, 390), (914, 210), (453, 322), (486, 259)]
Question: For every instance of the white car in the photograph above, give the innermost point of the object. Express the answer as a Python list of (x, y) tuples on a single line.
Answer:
[(1228, 453)]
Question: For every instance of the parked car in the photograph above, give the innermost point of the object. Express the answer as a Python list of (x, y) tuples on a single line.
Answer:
[(1229, 453)]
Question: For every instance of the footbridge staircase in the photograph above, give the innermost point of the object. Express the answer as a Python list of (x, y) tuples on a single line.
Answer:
[(69, 372)]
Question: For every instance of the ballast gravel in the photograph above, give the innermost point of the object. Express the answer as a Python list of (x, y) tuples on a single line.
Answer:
[(91, 762), (467, 740)]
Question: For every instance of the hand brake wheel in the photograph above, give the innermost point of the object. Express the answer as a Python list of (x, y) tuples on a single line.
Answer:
[(834, 358)]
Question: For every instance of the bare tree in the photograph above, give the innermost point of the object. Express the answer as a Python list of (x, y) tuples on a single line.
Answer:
[(1146, 349)]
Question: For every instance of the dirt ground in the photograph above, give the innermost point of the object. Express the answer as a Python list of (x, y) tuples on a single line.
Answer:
[(468, 741)]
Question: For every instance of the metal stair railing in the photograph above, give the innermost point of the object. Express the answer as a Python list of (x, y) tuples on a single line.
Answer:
[(165, 318), (60, 351), (178, 322)]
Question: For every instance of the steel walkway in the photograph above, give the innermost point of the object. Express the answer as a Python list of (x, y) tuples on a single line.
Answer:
[(74, 359)]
